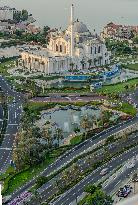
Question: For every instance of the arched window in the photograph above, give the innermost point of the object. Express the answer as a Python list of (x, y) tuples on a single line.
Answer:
[(91, 50), (99, 49), (61, 48), (65, 49), (95, 50), (56, 47)]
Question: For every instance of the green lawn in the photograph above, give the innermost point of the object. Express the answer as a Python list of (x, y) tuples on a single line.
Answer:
[(127, 108), (4, 67), (13, 180), (132, 66), (118, 88), (76, 140)]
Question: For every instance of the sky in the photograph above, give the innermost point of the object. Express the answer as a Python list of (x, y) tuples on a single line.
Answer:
[(94, 13)]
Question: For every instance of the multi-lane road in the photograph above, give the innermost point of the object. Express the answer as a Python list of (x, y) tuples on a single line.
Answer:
[(73, 153), (14, 115), (1, 116), (72, 194)]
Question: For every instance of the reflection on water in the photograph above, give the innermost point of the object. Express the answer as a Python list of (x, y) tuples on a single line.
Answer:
[(106, 81), (69, 119)]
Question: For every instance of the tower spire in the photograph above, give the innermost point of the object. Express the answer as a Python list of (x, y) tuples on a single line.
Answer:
[(72, 30)]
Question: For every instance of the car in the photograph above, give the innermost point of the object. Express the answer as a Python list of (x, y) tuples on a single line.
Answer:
[(104, 172), (131, 165), (124, 191)]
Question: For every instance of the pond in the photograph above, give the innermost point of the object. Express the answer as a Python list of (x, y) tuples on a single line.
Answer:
[(68, 118), (119, 77)]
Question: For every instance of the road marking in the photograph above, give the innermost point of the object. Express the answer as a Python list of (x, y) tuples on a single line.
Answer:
[(9, 149), (12, 124)]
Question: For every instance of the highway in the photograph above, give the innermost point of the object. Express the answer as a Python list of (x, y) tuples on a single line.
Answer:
[(71, 195), (14, 115), (15, 110), (1, 116), (73, 153)]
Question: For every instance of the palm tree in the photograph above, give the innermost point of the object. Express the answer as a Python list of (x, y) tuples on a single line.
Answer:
[(72, 66), (85, 124), (47, 135), (65, 176), (58, 135), (90, 62), (95, 61), (82, 63)]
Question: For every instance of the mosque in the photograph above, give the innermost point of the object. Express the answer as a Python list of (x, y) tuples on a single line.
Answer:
[(75, 48)]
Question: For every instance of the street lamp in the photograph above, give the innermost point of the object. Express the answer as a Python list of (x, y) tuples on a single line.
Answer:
[(0, 195)]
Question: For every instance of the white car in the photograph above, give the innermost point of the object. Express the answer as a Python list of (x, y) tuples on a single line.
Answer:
[(104, 172)]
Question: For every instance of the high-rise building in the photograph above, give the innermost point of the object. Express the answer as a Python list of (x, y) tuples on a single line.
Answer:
[(7, 13)]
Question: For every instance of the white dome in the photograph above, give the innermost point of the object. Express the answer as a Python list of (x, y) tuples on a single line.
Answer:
[(79, 27)]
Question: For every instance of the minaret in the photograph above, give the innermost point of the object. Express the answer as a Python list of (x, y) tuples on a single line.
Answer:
[(0, 195), (72, 30)]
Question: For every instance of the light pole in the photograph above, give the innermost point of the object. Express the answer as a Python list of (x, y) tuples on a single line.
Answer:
[(0, 195)]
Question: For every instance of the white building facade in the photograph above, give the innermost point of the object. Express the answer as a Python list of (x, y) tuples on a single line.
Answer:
[(6, 13), (74, 48)]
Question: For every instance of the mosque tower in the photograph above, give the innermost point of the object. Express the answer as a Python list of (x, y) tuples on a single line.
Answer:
[(72, 30)]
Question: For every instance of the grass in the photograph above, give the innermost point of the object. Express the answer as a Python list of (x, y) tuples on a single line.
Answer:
[(132, 66), (128, 109), (36, 107), (4, 67), (118, 88), (76, 140), (13, 180)]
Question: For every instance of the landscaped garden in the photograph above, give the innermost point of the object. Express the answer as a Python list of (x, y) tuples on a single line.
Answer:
[(133, 66), (4, 66), (119, 87)]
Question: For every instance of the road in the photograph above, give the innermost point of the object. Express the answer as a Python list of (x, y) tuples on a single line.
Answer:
[(73, 153), (68, 99), (72, 194), (15, 110), (1, 116), (14, 115)]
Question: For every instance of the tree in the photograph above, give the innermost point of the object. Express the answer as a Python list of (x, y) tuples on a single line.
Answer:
[(46, 30), (47, 135), (27, 148), (97, 197), (86, 124), (91, 189), (95, 61), (90, 62), (24, 16), (58, 135), (41, 180), (126, 87), (72, 66), (82, 63)]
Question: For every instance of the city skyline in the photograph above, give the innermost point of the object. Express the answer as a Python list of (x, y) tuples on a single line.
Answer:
[(108, 10)]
